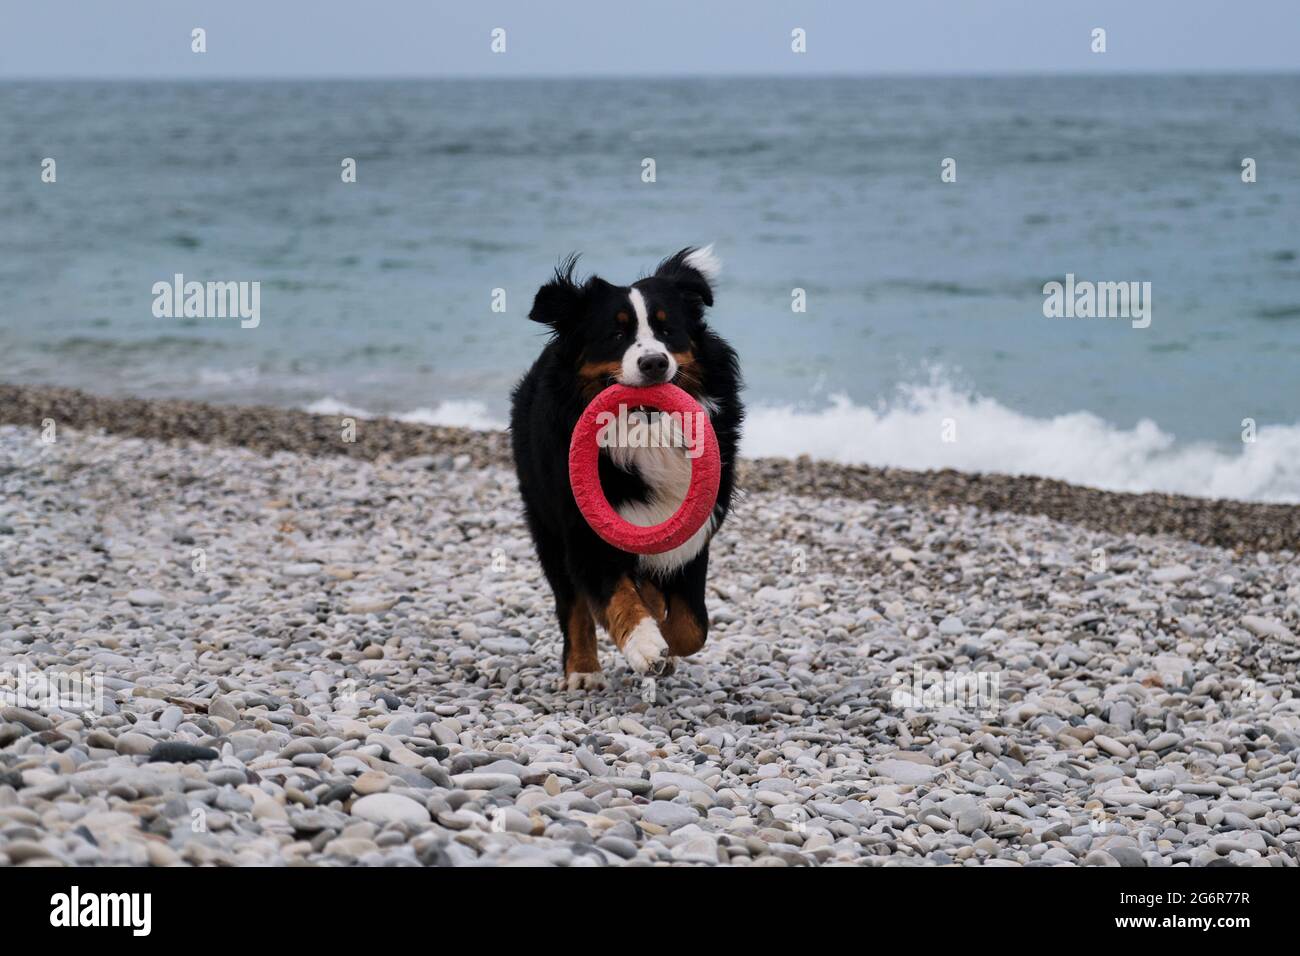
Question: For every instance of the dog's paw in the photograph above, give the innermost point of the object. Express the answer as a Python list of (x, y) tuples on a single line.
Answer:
[(593, 680), (646, 650)]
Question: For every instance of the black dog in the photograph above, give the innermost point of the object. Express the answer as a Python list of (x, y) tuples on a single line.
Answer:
[(650, 332)]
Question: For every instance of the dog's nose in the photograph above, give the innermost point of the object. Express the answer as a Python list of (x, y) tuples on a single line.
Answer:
[(653, 366)]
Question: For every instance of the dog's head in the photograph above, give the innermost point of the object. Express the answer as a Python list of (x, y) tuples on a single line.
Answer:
[(636, 335)]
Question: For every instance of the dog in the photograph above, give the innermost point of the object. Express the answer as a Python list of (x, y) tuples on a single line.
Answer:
[(653, 331)]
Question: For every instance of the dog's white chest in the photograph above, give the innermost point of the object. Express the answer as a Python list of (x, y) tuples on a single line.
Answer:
[(659, 458)]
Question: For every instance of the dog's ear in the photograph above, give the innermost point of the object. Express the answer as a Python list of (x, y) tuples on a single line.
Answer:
[(692, 271), (559, 302)]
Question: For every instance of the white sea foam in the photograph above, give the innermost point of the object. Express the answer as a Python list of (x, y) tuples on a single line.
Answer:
[(332, 406), (456, 413), (1079, 447), (225, 376), (460, 413)]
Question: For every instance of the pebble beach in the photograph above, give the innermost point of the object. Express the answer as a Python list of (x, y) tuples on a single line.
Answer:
[(314, 652)]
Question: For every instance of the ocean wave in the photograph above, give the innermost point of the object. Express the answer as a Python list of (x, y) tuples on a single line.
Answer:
[(453, 413), (1079, 447), (219, 377), (78, 345)]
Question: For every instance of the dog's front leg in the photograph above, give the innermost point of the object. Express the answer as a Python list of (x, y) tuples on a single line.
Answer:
[(581, 663), (625, 617), (684, 629)]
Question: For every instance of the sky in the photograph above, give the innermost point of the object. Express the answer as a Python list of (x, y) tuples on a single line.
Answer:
[(386, 38)]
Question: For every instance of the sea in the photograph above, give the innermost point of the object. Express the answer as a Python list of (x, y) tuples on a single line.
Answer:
[(886, 244)]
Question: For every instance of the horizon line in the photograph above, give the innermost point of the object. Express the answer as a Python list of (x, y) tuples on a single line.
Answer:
[(534, 77)]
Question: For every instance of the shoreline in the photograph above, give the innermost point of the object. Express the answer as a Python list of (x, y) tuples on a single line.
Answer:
[(1240, 525)]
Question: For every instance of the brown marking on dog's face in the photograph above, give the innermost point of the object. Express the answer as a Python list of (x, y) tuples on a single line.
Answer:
[(594, 377), (624, 611), (580, 656), (689, 377), (683, 632)]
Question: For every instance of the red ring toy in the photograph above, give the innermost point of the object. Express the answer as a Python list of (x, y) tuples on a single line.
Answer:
[(584, 472)]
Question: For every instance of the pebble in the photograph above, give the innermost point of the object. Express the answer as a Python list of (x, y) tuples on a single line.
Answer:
[(175, 751), (970, 820), (618, 846), (370, 604), (29, 719), (1130, 798), (670, 816), (171, 718), (1165, 741), (372, 782), (905, 771), (484, 781), (132, 744), (1100, 858), (387, 808), (222, 707), (145, 597), (1267, 627), (1111, 746)]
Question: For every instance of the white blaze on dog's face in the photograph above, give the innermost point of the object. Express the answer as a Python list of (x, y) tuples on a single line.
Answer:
[(647, 360)]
